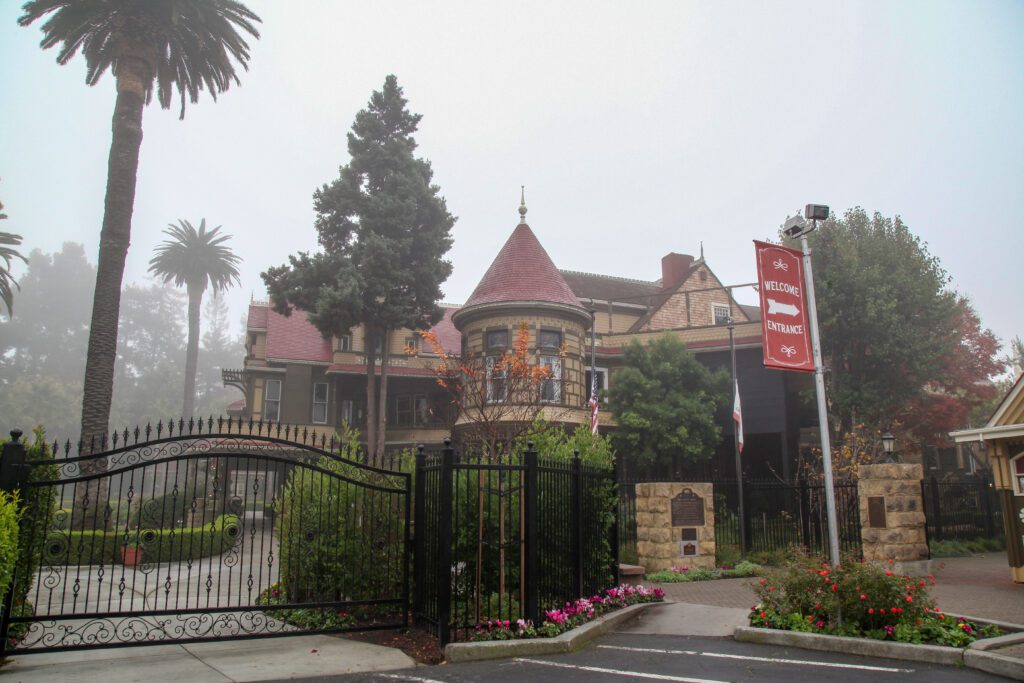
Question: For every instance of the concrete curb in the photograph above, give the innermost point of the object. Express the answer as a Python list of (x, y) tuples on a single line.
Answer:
[(998, 641), (931, 654), (995, 663), (565, 642)]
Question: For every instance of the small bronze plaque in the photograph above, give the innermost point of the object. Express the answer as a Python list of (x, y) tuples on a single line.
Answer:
[(689, 549), (876, 512), (688, 535), (687, 509)]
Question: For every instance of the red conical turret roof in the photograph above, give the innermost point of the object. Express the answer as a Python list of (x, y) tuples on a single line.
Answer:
[(522, 271)]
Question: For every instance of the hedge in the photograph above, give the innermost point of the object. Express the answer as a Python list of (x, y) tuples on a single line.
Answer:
[(158, 545), (8, 538)]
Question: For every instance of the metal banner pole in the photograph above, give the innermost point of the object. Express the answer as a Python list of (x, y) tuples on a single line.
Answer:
[(819, 385)]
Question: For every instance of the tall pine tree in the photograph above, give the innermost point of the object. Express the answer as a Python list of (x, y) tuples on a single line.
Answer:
[(383, 230)]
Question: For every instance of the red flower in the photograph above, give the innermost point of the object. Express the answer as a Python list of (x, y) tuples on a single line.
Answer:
[(863, 596), (882, 610), (910, 599), (888, 573), (835, 587), (764, 614), (871, 610)]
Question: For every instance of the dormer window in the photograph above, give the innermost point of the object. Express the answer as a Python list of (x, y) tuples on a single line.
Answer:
[(720, 314), (345, 342)]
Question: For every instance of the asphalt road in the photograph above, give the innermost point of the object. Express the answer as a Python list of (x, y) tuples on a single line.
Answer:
[(634, 657)]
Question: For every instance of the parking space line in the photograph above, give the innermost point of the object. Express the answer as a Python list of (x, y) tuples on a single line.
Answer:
[(753, 658), (414, 679), (617, 672)]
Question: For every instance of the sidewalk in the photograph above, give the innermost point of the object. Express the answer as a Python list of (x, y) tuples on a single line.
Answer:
[(258, 659)]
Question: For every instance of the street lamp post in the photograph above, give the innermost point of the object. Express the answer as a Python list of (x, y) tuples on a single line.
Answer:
[(797, 226), (888, 443)]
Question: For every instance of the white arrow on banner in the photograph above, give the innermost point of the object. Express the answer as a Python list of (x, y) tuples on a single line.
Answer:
[(779, 307)]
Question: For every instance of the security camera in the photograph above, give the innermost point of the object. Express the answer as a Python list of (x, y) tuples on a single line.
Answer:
[(795, 226), (816, 212)]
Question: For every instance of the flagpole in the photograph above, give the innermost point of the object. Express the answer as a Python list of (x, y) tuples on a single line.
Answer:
[(593, 355), (736, 443)]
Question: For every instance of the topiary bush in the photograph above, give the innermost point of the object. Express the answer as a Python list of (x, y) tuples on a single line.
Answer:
[(74, 548)]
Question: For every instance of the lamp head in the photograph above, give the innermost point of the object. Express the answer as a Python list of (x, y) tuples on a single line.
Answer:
[(794, 226), (816, 212)]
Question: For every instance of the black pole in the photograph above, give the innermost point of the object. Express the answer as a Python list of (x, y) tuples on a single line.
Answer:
[(444, 548), (576, 524), (420, 537), (736, 442), (531, 601)]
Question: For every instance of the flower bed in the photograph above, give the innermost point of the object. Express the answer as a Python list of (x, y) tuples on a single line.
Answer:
[(684, 574), (860, 600), (574, 614)]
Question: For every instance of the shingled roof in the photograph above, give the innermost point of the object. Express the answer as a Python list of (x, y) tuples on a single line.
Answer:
[(609, 288), (522, 271), (293, 337)]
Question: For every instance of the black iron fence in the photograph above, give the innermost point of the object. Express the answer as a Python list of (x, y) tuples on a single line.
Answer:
[(778, 515), (202, 531), (507, 538), (961, 509)]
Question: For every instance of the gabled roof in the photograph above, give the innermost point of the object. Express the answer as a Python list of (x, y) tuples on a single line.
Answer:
[(522, 271), (294, 338)]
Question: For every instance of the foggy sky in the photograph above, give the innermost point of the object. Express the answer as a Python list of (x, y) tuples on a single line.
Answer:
[(637, 128)]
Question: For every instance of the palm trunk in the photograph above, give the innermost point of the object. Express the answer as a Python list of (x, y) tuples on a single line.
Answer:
[(115, 235), (195, 300), (371, 396), (382, 412)]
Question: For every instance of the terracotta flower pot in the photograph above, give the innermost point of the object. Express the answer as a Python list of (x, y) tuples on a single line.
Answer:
[(131, 556)]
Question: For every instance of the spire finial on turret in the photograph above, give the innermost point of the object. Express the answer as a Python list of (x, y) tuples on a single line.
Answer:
[(702, 250), (522, 205)]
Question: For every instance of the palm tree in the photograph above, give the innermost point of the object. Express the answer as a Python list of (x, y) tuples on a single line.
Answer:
[(195, 259), (188, 45), (7, 254)]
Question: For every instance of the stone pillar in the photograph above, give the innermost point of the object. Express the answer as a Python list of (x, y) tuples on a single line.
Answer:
[(675, 525), (892, 516)]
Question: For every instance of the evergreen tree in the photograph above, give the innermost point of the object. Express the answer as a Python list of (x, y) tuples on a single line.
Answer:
[(888, 320), (665, 401), (383, 230)]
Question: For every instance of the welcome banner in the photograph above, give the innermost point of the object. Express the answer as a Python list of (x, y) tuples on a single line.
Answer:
[(780, 280)]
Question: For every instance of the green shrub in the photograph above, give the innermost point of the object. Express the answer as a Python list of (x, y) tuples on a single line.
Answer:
[(680, 575), (9, 516), (339, 540), (73, 548), (857, 599), (966, 547), (38, 503)]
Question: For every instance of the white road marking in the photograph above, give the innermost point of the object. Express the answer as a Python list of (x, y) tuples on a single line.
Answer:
[(772, 660), (415, 679), (617, 672)]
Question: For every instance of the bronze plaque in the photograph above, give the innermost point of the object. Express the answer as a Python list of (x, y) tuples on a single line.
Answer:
[(689, 549), (688, 535), (876, 512), (687, 509)]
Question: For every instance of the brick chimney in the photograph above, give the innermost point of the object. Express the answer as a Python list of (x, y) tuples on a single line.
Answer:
[(674, 268)]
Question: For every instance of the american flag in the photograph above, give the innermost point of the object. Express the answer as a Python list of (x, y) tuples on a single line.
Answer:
[(737, 416), (593, 403)]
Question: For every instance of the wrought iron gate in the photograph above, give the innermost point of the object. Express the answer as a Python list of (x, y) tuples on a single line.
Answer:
[(203, 531)]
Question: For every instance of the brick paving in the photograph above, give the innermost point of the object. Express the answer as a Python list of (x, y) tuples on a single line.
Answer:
[(978, 586)]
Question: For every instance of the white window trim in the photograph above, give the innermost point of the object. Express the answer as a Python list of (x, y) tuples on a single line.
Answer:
[(267, 399), (555, 362), (490, 394), (1018, 478), (324, 403), (715, 308), (345, 343)]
